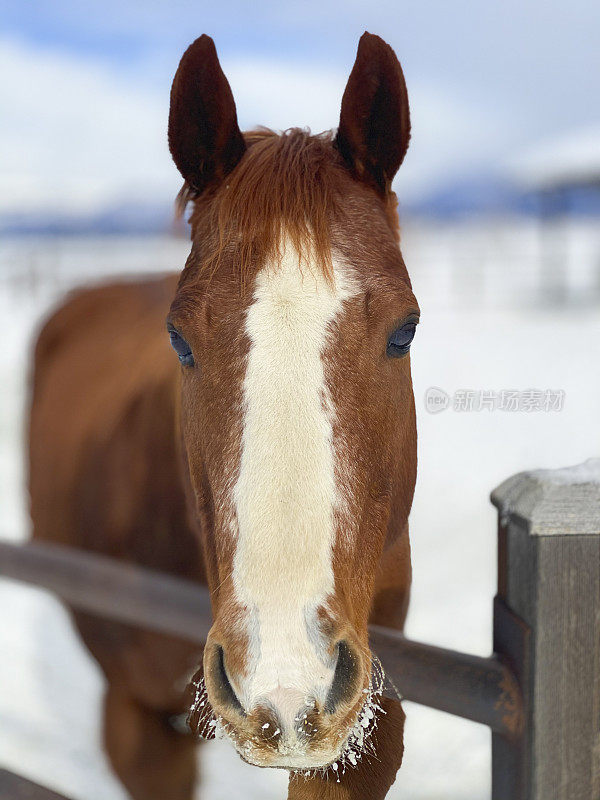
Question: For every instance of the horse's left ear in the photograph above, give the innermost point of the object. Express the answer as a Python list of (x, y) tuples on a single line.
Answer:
[(204, 137), (375, 120)]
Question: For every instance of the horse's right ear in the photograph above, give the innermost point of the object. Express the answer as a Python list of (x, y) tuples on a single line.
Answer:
[(204, 137)]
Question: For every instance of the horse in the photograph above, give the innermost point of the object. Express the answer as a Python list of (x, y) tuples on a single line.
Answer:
[(271, 457)]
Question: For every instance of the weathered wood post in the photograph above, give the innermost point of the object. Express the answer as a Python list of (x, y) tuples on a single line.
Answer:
[(549, 577)]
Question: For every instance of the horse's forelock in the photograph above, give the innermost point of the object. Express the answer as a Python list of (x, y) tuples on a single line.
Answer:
[(287, 187)]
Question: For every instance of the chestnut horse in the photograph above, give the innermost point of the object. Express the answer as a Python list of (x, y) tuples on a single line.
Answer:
[(273, 457)]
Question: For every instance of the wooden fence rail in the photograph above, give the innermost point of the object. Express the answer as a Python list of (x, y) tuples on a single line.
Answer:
[(479, 689), (539, 692), (14, 787)]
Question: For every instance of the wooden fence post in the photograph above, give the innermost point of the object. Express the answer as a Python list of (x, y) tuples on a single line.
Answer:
[(547, 626)]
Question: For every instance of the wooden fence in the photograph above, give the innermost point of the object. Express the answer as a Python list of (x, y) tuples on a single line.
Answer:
[(539, 692)]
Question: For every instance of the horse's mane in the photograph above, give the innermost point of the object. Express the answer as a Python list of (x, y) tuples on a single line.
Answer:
[(286, 185)]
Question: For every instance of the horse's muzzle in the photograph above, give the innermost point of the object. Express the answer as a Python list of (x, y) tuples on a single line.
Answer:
[(285, 726)]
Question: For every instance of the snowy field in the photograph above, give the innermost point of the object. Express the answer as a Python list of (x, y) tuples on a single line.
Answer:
[(487, 326)]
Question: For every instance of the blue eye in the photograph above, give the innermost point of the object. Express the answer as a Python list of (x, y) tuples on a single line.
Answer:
[(181, 347), (399, 342)]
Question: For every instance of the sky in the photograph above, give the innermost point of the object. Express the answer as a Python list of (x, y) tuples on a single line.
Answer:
[(84, 86)]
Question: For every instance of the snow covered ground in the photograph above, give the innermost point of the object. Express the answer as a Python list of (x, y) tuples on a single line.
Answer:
[(484, 327)]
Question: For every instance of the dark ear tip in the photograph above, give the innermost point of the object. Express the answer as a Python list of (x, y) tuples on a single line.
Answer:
[(372, 46), (370, 38), (206, 43), (200, 48)]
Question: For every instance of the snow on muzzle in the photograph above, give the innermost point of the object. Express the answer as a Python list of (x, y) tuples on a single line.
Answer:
[(285, 717)]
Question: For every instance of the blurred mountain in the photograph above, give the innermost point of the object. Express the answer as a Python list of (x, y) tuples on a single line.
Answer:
[(482, 194), (133, 218), (561, 176), (489, 195), (572, 159)]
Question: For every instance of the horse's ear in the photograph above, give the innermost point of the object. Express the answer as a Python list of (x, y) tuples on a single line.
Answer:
[(375, 120), (204, 138)]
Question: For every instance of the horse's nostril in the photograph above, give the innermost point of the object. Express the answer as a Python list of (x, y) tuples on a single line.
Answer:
[(223, 686), (345, 678)]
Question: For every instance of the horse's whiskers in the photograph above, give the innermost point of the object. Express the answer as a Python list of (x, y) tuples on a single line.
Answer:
[(207, 723), (201, 712), (358, 742)]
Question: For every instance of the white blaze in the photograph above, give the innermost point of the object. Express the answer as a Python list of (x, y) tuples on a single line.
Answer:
[(285, 495)]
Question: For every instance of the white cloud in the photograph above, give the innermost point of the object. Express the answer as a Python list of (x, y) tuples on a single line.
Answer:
[(568, 159), (77, 134), (74, 135), (283, 95), (448, 133)]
